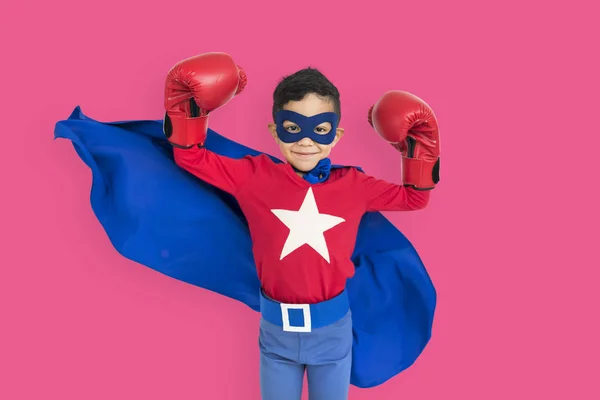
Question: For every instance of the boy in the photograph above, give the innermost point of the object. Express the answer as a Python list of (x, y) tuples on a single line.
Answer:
[(303, 215)]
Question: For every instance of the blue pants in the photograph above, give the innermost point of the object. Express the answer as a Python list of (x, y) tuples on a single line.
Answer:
[(325, 354)]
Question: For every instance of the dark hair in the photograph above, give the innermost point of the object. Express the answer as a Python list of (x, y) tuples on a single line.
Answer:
[(308, 80)]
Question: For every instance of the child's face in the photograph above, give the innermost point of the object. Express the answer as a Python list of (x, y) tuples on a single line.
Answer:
[(306, 153)]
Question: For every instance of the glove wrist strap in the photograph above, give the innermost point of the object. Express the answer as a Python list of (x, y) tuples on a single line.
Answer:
[(185, 132), (420, 174)]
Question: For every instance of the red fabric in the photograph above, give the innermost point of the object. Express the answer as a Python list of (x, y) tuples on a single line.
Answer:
[(261, 186)]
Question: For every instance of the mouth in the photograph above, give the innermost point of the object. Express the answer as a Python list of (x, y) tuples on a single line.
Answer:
[(303, 154)]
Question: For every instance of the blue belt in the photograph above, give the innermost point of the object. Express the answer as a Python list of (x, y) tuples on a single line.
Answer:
[(304, 317)]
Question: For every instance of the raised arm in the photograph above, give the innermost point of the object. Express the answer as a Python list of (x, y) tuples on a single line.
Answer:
[(380, 195), (194, 88)]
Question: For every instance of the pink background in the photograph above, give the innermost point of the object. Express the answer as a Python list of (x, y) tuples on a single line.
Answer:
[(510, 238)]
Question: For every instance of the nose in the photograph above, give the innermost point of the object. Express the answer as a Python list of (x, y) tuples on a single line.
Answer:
[(306, 141)]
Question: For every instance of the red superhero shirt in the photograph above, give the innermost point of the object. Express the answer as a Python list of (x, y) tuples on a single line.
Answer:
[(303, 234)]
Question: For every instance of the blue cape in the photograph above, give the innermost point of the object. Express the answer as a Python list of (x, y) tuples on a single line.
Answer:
[(157, 214)]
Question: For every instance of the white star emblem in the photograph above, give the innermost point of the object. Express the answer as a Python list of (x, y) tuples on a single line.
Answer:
[(307, 226)]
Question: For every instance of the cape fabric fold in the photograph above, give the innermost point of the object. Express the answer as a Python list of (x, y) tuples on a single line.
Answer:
[(158, 215)]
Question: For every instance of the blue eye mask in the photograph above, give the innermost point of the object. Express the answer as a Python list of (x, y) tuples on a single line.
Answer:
[(307, 126)]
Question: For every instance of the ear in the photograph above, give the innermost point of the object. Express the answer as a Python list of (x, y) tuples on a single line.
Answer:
[(273, 130), (339, 132)]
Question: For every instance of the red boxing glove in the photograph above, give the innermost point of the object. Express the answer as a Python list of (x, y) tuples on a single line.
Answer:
[(195, 87), (409, 124)]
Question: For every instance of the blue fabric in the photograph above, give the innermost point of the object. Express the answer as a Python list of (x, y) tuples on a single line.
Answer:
[(324, 354), (319, 314), (320, 173), (158, 215), (307, 126)]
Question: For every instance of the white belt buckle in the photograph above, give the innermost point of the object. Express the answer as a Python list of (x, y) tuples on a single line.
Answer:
[(285, 317)]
